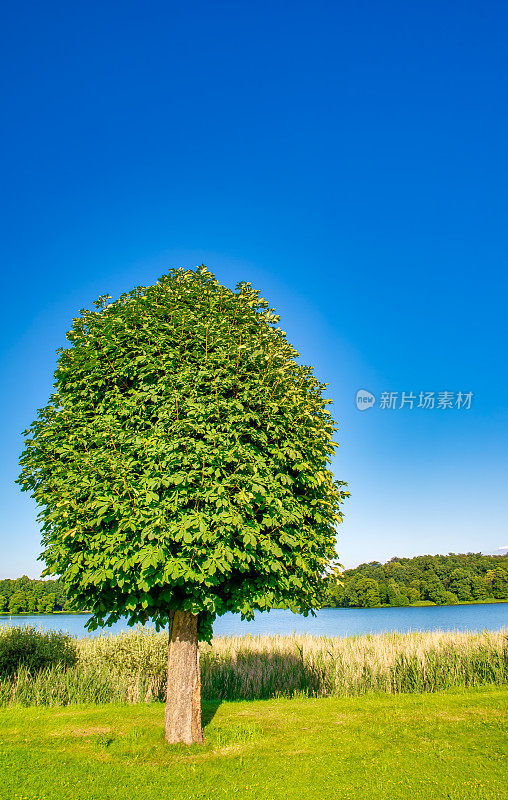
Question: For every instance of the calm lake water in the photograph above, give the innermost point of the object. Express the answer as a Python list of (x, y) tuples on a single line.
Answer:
[(327, 622)]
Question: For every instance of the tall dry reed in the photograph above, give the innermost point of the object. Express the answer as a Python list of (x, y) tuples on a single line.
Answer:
[(131, 667)]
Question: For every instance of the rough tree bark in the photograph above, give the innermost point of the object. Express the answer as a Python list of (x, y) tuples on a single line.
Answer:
[(183, 698)]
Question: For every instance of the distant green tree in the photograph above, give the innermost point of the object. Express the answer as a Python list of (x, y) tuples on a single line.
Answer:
[(434, 589), (50, 603), (460, 584), (334, 595), (478, 588), (350, 595), (395, 570), (41, 605), (31, 603), (3, 603), (383, 591), (17, 603), (412, 594), (497, 581), (367, 593), (395, 596)]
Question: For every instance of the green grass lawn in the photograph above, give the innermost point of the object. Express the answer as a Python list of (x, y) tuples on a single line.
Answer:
[(447, 745)]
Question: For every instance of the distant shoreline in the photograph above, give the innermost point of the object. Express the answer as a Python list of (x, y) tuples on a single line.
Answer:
[(428, 603), (423, 604), (42, 613)]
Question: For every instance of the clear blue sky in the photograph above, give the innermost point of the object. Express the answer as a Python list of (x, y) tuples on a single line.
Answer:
[(347, 158)]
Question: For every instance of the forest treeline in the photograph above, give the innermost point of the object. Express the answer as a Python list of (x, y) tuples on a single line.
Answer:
[(442, 580), (24, 595)]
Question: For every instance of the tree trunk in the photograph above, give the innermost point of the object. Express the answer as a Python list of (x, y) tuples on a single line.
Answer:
[(183, 698)]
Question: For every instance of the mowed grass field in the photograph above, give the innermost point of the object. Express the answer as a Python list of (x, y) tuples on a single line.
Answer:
[(446, 745)]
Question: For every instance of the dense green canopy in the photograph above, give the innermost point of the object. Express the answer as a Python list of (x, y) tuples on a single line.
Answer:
[(182, 460), (439, 579)]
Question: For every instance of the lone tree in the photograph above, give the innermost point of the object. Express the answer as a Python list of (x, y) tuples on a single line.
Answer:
[(181, 469)]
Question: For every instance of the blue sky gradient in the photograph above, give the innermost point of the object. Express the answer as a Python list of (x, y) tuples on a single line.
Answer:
[(347, 158)]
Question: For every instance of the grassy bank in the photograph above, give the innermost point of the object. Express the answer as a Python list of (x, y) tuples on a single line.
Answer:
[(131, 667), (427, 747)]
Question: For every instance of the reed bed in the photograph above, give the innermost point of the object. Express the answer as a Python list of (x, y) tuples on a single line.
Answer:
[(131, 667), (264, 667)]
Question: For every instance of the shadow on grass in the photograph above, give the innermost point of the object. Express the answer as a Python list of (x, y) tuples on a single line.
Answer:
[(259, 675), (208, 711)]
